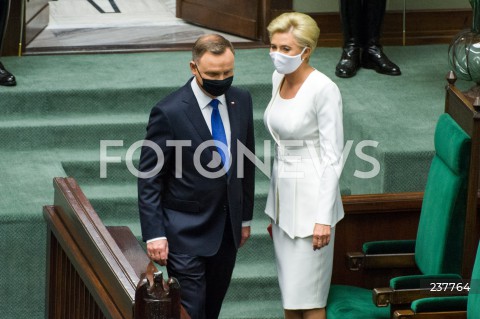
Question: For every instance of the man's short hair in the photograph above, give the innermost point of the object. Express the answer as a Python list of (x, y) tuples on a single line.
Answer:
[(213, 43)]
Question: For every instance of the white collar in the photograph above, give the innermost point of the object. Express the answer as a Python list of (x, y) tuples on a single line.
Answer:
[(203, 99)]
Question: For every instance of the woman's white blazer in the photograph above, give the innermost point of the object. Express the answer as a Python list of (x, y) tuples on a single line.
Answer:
[(308, 134)]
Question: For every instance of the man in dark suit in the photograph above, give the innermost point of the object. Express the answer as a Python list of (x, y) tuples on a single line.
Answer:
[(195, 201), (6, 78)]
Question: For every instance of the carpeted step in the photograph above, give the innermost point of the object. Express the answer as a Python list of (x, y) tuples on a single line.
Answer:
[(252, 309), (113, 83), (82, 132), (252, 289)]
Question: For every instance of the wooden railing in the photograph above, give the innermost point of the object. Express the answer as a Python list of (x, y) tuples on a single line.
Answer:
[(95, 271)]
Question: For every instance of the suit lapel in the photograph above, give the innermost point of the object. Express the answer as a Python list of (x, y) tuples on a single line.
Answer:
[(195, 116)]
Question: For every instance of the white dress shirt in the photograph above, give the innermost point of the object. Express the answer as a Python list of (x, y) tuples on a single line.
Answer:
[(204, 103)]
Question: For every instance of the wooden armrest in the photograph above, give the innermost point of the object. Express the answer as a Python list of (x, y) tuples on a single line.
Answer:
[(383, 297), (403, 314), (358, 260), (409, 314), (354, 260)]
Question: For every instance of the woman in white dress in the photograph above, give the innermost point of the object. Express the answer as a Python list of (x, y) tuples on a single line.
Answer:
[(304, 118)]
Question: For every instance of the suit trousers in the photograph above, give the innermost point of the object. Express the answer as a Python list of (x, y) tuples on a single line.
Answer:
[(204, 280)]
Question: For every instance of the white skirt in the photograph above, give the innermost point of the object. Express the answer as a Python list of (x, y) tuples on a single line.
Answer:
[(304, 274)]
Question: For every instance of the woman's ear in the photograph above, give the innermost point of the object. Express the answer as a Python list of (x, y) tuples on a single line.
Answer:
[(306, 54)]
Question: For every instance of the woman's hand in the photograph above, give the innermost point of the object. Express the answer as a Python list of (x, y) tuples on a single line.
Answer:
[(321, 236)]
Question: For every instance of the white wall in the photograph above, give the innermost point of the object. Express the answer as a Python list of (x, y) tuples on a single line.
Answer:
[(332, 5)]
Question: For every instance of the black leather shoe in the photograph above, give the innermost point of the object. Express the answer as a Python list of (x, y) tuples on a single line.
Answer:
[(6, 78), (349, 62), (374, 58)]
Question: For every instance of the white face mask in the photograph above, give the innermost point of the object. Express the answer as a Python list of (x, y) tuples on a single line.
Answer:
[(286, 64)]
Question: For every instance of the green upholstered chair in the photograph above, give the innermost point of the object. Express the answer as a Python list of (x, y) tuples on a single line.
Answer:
[(438, 249), (449, 307)]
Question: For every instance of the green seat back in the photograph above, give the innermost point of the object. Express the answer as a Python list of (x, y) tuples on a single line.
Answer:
[(473, 305), (439, 243)]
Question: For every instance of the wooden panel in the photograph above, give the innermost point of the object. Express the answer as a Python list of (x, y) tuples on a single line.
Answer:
[(422, 27), (245, 9), (68, 297), (369, 218), (99, 300), (236, 17), (460, 107), (463, 113)]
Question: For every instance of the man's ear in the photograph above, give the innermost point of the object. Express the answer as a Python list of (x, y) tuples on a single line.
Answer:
[(193, 69)]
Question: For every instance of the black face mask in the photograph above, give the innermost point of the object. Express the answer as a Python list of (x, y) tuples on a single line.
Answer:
[(216, 87)]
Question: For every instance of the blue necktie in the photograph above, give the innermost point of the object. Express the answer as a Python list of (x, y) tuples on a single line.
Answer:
[(218, 131)]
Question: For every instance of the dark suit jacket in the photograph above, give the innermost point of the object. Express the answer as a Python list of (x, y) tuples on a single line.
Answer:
[(189, 210)]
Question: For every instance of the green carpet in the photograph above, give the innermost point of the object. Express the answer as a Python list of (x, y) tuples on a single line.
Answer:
[(53, 121)]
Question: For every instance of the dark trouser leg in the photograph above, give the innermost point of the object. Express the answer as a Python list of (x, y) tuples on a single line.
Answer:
[(4, 9), (351, 15), (204, 280), (6, 78), (373, 56), (190, 273), (219, 273)]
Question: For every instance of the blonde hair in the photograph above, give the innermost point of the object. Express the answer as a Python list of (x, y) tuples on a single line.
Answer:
[(304, 29)]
